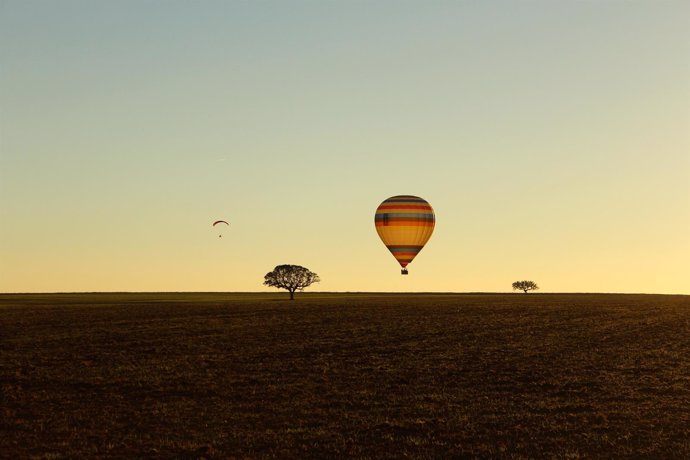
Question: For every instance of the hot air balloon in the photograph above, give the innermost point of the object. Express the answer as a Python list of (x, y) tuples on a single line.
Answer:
[(404, 224), (220, 222)]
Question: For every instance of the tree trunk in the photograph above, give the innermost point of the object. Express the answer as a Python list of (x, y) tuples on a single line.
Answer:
[(292, 295), (525, 290)]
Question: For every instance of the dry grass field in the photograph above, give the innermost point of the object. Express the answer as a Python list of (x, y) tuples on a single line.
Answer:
[(344, 375)]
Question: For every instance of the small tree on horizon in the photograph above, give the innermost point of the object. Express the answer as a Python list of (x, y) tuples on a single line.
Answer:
[(290, 277), (525, 286)]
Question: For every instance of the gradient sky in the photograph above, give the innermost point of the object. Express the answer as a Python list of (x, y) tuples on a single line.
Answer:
[(552, 139)]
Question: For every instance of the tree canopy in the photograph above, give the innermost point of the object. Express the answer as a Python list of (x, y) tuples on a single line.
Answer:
[(290, 277), (525, 286)]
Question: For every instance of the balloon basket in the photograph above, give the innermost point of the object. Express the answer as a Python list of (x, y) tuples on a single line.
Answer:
[(403, 271)]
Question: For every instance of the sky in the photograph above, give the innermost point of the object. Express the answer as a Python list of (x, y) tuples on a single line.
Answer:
[(551, 138)]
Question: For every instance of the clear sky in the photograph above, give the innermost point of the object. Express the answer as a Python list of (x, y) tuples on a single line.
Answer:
[(552, 139)]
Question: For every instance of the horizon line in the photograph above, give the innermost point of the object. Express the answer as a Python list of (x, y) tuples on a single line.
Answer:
[(346, 292)]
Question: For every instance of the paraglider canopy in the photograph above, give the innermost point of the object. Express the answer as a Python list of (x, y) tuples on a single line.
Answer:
[(220, 222)]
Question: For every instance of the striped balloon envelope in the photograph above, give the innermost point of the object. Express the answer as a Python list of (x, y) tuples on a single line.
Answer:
[(404, 223)]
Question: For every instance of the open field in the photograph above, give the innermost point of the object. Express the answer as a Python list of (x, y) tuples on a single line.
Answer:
[(344, 375)]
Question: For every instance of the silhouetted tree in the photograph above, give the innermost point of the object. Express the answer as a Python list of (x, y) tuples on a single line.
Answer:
[(290, 277), (525, 286)]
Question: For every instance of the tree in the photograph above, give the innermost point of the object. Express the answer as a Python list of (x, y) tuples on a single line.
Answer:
[(525, 286), (290, 277)]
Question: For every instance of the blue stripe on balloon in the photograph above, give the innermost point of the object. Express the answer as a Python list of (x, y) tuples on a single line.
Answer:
[(404, 248)]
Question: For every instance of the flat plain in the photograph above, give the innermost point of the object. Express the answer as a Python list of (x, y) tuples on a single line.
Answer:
[(214, 375)]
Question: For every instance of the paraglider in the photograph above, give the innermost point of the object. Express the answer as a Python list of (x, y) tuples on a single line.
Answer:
[(220, 222), (404, 224)]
